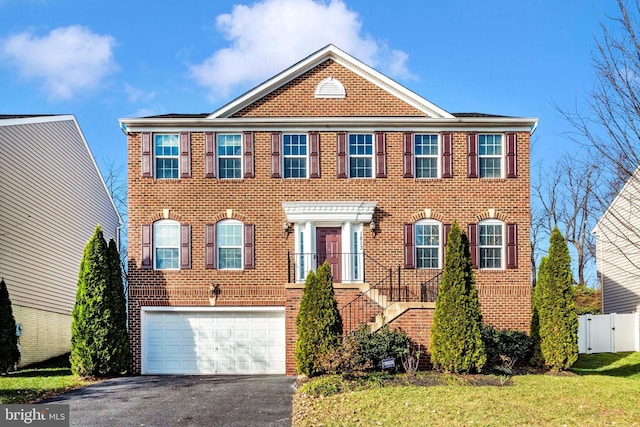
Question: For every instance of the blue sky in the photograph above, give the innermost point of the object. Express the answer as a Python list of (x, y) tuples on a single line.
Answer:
[(102, 60)]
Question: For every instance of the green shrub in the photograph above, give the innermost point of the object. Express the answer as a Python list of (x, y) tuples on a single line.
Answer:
[(554, 311), (99, 342), (382, 344), (505, 348), (318, 323), (9, 352), (456, 340), (346, 359)]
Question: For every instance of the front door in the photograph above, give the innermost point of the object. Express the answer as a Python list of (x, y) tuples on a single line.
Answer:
[(328, 249)]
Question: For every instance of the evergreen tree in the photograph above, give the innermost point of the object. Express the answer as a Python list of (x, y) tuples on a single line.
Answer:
[(554, 303), (9, 353), (98, 332), (319, 324), (456, 339)]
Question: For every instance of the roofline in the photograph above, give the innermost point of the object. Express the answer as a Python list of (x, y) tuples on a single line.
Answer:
[(330, 52), (36, 119), (633, 176), (328, 123)]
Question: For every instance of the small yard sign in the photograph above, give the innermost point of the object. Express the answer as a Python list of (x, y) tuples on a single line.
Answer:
[(388, 363)]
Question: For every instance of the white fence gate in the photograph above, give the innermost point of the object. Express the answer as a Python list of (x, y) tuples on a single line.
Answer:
[(608, 333)]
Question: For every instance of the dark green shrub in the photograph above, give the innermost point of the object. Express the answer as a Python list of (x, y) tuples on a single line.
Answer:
[(554, 309), (9, 352), (318, 323), (99, 343), (456, 340), (346, 359), (505, 348), (382, 344)]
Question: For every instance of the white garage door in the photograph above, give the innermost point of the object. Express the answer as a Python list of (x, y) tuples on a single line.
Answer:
[(229, 341)]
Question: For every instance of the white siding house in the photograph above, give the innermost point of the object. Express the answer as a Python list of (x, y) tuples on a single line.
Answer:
[(52, 196), (617, 235)]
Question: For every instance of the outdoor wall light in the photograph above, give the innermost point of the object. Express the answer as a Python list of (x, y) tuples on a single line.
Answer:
[(214, 291), (372, 226), (286, 228)]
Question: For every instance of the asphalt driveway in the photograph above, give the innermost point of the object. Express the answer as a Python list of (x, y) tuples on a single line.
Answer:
[(182, 401)]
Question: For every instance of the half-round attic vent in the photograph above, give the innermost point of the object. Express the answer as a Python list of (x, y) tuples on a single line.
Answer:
[(330, 88)]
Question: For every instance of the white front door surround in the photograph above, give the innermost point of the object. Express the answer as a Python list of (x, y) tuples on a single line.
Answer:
[(349, 216)]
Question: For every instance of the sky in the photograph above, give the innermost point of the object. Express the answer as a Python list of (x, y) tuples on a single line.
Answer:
[(103, 60)]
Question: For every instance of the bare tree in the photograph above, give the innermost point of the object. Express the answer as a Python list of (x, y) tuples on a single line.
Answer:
[(566, 196), (115, 179)]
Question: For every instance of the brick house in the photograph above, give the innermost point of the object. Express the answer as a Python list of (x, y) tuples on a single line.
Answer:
[(328, 160)]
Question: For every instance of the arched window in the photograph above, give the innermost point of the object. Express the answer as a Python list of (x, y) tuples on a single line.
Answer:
[(229, 244), (166, 244), (491, 244), (428, 239)]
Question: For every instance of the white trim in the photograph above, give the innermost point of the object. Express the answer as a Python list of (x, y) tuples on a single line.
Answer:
[(503, 254), (330, 88), (333, 211), (344, 59)]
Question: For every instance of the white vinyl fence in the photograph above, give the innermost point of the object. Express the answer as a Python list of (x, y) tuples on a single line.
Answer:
[(608, 333)]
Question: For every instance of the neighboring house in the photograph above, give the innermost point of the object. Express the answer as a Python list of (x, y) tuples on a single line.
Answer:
[(52, 196), (328, 160), (617, 235)]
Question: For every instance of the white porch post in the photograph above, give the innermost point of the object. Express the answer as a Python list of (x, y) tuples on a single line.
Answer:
[(347, 263)]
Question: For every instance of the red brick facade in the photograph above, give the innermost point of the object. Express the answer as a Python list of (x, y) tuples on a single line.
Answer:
[(197, 201)]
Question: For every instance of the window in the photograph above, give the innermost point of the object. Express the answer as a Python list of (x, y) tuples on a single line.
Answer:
[(491, 244), (426, 155), (166, 238), (360, 156), (229, 149), (229, 244), (427, 239), (490, 156), (295, 155), (167, 155)]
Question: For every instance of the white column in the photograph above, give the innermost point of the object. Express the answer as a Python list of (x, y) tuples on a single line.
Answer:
[(309, 248), (347, 264)]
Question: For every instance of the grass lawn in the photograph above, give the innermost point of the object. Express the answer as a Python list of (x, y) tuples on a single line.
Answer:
[(39, 381), (604, 390)]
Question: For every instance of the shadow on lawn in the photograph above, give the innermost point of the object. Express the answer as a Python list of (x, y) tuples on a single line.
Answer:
[(609, 364)]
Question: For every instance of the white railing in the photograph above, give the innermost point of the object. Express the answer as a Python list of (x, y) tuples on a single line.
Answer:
[(608, 333)]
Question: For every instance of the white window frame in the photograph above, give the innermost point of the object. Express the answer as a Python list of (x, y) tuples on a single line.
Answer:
[(173, 245), (500, 156), (428, 222), (220, 156), (417, 156), (157, 156), (371, 156), (219, 246), (501, 247), (291, 156)]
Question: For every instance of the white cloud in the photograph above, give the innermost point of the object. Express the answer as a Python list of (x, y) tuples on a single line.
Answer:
[(70, 60), (270, 35), (135, 95)]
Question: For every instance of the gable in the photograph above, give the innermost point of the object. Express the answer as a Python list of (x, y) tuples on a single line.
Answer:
[(298, 97)]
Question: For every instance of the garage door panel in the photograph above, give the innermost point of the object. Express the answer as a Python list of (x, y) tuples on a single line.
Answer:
[(212, 342)]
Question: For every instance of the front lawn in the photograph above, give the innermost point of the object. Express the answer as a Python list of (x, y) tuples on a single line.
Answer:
[(39, 381), (603, 391)]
